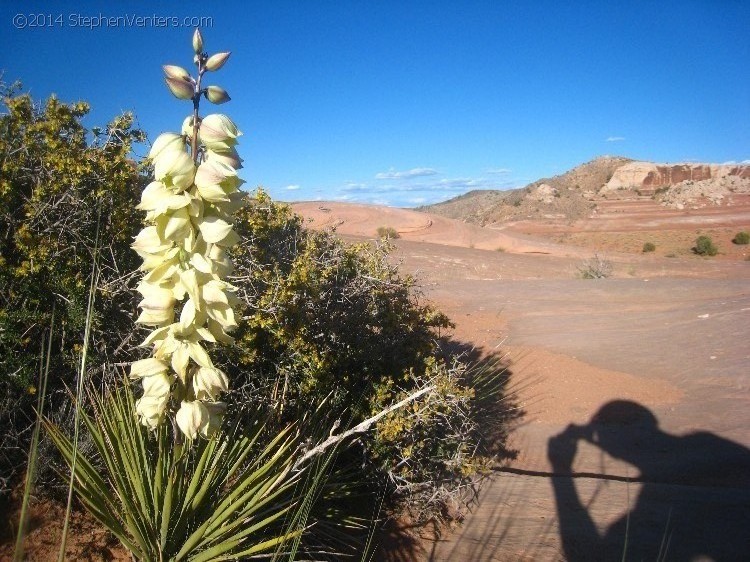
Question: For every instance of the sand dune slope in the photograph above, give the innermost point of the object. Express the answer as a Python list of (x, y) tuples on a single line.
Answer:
[(364, 220)]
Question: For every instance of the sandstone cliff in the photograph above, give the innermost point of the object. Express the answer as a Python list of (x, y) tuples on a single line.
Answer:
[(648, 177)]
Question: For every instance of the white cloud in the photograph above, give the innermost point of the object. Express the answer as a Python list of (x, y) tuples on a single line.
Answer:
[(462, 182), (614, 139), (293, 187), (419, 186), (406, 174)]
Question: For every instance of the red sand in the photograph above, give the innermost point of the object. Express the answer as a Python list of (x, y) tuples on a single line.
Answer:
[(668, 333)]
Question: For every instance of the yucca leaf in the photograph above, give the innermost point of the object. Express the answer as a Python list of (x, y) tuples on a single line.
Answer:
[(191, 542), (166, 510), (245, 513), (91, 487), (243, 492), (157, 492), (201, 476), (264, 546), (133, 527)]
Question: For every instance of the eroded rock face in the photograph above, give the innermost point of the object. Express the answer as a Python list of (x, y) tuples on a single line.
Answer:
[(650, 176), (545, 193)]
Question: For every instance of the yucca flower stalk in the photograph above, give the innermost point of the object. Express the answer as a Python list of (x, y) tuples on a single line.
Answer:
[(163, 492), (189, 208)]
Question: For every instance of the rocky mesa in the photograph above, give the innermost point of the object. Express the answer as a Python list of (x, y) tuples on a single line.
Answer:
[(579, 192), (648, 176)]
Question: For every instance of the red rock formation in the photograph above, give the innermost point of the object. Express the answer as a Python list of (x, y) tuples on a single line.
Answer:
[(650, 176)]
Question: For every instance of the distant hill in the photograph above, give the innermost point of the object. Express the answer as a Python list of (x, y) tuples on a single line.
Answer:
[(575, 193)]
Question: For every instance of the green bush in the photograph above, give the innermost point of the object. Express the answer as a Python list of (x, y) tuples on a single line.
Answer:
[(64, 199), (649, 247), (742, 238), (327, 321), (388, 232), (704, 246)]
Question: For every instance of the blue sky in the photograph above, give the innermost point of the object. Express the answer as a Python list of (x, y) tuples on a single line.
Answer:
[(406, 103)]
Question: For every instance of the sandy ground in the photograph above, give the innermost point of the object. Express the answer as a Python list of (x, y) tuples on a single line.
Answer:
[(668, 334)]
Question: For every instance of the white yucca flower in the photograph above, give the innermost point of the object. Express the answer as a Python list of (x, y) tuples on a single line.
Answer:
[(191, 418), (185, 297), (218, 132)]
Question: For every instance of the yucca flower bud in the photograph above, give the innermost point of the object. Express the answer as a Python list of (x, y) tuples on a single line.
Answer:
[(209, 383), (215, 62), (151, 409), (175, 169), (197, 41), (191, 418), (216, 411), (187, 127), (216, 95), (176, 72), (218, 132), (182, 89), (164, 142), (229, 157)]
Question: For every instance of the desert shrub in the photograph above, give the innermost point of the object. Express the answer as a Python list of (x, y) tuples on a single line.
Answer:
[(595, 268), (323, 314), (742, 238), (327, 321), (434, 451), (649, 247), (704, 246), (388, 232), (66, 198)]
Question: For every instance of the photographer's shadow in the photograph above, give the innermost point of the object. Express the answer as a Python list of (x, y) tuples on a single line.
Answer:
[(694, 502)]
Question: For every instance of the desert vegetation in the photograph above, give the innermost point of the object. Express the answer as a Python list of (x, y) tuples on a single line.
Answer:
[(287, 390), (596, 267), (388, 232), (704, 246), (741, 238)]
